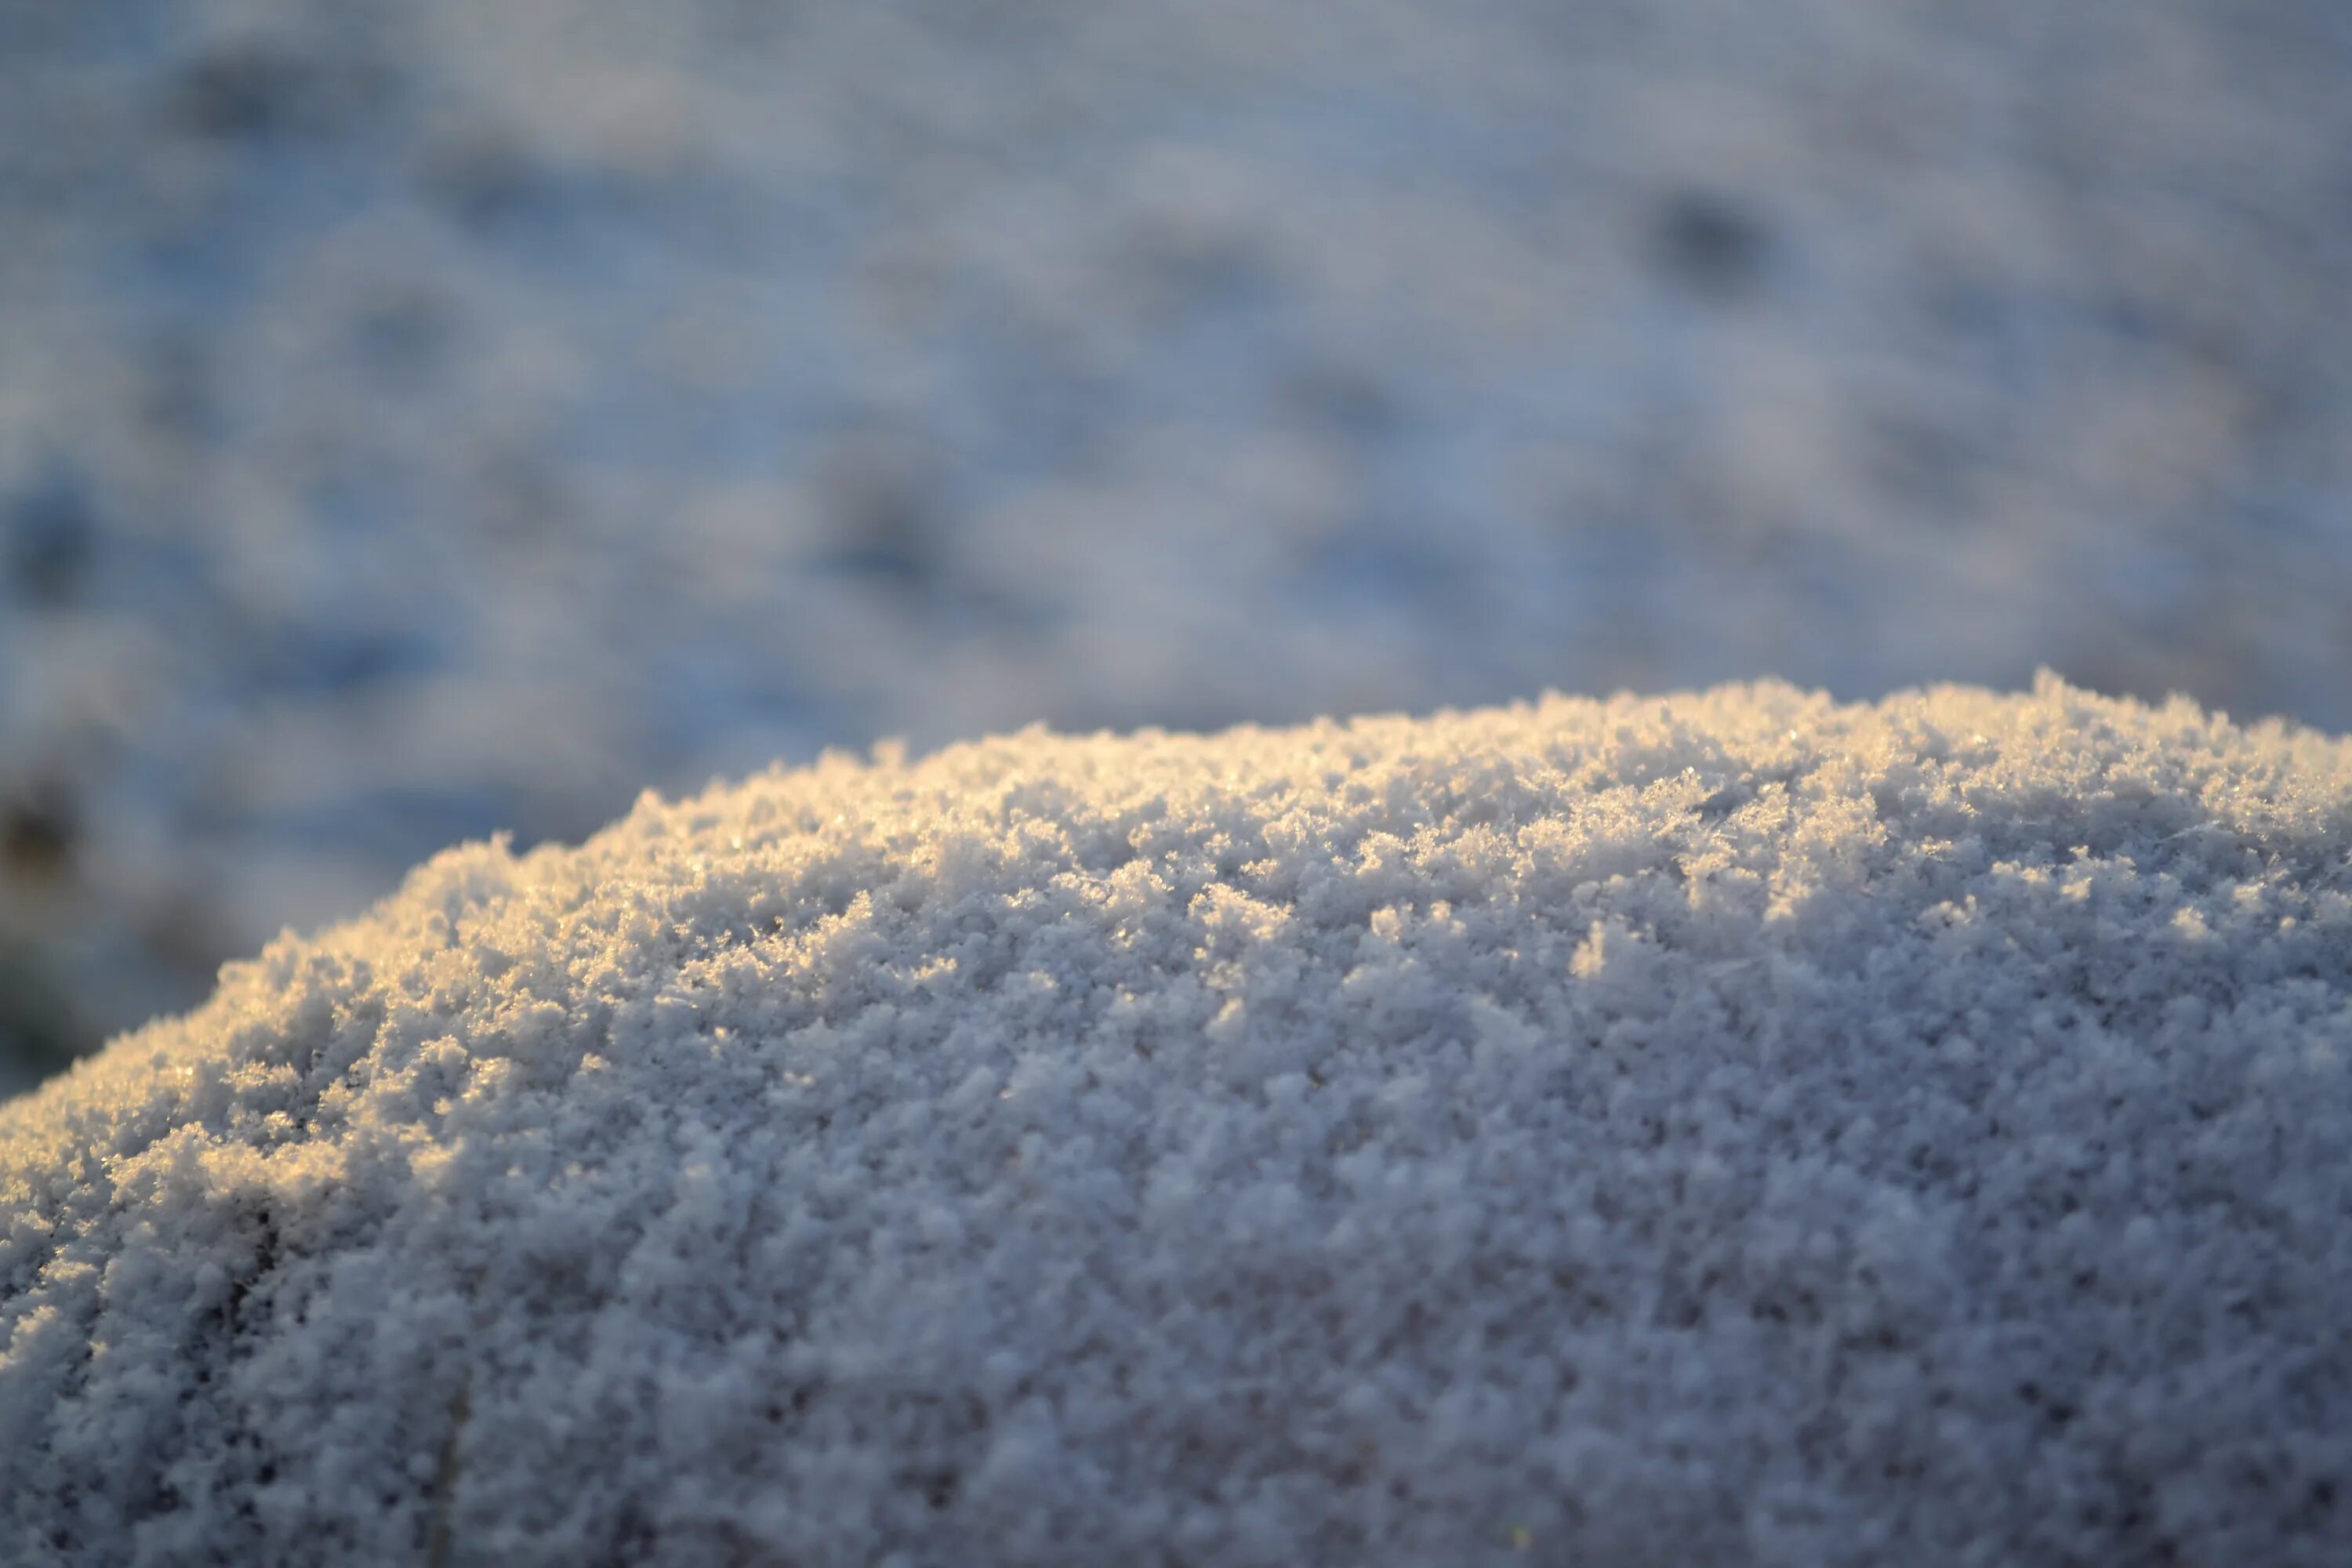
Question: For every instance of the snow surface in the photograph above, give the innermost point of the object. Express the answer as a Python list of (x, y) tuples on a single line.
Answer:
[(1732, 1128), (421, 418)]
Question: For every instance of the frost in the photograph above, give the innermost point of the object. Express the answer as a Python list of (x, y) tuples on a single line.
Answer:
[(1728, 1128)]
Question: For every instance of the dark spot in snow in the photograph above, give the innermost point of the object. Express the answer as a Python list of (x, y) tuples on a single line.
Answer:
[(51, 536), (253, 91), (889, 546), (331, 660), (938, 1487), (236, 92), (37, 836), (491, 186), (1709, 242), (878, 512), (1721, 803), (571, 215)]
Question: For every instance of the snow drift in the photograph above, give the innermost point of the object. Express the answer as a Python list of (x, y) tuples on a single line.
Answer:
[(1735, 1128)]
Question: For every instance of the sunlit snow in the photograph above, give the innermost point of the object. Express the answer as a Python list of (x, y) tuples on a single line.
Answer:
[(1723, 1129)]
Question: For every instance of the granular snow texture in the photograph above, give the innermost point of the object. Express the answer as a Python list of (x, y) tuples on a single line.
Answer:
[(1729, 1129), (422, 417)]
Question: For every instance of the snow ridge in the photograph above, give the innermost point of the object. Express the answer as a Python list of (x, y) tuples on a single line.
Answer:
[(1730, 1128)]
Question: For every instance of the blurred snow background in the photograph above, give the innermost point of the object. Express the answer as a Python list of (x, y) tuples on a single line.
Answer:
[(422, 417)]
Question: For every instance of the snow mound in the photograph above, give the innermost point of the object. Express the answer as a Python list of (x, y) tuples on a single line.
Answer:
[(1729, 1129)]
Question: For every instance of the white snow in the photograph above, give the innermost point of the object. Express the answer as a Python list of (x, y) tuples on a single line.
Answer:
[(1731, 1128), (421, 418)]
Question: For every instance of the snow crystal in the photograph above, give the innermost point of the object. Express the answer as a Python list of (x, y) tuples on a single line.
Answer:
[(1734, 1128)]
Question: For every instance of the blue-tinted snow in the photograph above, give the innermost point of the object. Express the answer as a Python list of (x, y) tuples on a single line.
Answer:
[(420, 419)]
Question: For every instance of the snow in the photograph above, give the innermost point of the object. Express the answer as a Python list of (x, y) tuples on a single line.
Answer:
[(421, 418), (1732, 1127)]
